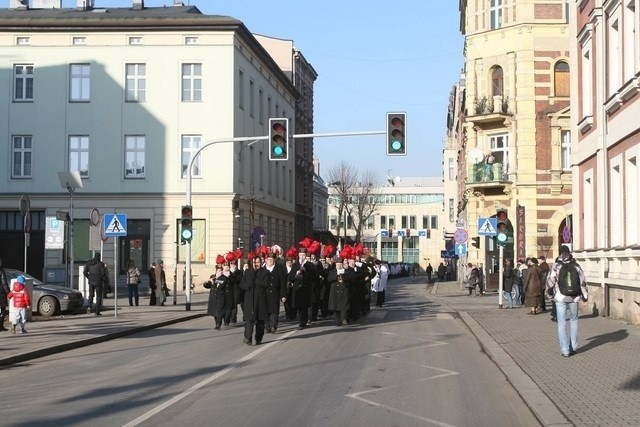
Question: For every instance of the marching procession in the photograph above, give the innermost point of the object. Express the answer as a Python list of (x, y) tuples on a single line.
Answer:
[(342, 284)]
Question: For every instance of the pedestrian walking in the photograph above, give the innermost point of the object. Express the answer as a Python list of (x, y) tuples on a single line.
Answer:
[(429, 271), (338, 293), (152, 284), (481, 279), (4, 301), (254, 309), (379, 282), (507, 282), (274, 280), (532, 286), (161, 282), (568, 286), (544, 268), (21, 303), (133, 280), (96, 274)]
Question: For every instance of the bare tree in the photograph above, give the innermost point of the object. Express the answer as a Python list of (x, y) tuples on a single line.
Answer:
[(342, 178), (544, 245), (363, 201)]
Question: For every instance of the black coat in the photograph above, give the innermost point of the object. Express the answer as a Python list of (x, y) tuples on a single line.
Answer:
[(219, 288), (275, 285), (255, 297), (325, 286), (339, 291), (301, 278), (4, 288), (238, 294)]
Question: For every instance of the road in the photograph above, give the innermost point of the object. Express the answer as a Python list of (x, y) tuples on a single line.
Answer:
[(409, 364)]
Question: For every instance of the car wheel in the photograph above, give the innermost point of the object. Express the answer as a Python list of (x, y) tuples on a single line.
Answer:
[(47, 306)]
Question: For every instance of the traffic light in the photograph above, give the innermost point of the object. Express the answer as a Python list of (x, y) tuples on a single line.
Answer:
[(186, 221), (278, 139), (475, 242), (396, 134), (502, 227)]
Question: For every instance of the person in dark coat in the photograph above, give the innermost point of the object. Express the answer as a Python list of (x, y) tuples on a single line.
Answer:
[(4, 301), (238, 293), (316, 288), (254, 309), (217, 286), (356, 277), (275, 284), (290, 312), (326, 267), (508, 277), (301, 278), (96, 274), (152, 284), (441, 272), (338, 293), (533, 286)]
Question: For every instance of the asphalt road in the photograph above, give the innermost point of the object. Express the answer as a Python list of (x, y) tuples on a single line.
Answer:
[(408, 364)]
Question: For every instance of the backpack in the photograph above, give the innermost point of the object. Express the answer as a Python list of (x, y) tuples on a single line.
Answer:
[(569, 280)]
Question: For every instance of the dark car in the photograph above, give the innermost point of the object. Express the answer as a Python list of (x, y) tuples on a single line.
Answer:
[(48, 300)]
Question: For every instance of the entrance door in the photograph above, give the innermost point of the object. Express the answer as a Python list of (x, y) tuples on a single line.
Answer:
[(135, 246)]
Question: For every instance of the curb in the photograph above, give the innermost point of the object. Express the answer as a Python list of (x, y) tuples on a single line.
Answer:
[(95, 340), (541, 406)]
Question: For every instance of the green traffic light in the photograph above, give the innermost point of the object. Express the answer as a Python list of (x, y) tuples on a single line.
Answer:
[(278, 150), (187, 234), (396, 145)]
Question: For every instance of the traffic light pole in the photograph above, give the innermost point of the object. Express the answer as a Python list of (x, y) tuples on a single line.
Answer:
[(500, 274), (252, 139)]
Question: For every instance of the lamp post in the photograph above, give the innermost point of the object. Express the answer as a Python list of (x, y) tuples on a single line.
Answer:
[(70, 181)]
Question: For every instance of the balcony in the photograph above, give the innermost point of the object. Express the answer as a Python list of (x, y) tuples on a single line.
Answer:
[(485, 176), (490, 110)]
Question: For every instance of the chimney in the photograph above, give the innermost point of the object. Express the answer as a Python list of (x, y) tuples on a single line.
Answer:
[(178, 3), (19, 4), (46, 4), (84, 4), (138, 4)]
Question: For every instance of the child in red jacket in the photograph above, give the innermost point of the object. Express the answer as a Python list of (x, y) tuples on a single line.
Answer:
[(21, 302)]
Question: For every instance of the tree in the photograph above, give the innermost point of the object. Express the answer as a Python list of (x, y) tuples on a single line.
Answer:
[(544, 245), (342, 177)]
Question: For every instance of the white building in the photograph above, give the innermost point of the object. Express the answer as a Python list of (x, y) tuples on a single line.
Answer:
[(125, 96)]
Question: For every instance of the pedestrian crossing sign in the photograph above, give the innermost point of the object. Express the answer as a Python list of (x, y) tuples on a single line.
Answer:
[(487, 226), (115, 225)]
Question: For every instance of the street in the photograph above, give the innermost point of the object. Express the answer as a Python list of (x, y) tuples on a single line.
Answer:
[(409, 363)]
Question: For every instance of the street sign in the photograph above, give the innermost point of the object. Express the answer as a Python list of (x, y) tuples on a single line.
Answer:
[(402, 233), (115, 225), (54, 233), (460, 236), (487, 226), (461, 248), (422, 233), (384, 233)]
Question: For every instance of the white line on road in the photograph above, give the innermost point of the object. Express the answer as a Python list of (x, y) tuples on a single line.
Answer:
[(203, 383)]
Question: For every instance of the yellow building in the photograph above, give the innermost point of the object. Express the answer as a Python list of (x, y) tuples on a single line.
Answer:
[(515, 134)]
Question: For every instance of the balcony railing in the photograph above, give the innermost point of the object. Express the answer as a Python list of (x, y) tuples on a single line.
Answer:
[(487, 173)]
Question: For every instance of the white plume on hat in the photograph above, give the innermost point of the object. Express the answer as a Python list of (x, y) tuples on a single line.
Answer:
[(277, 250)]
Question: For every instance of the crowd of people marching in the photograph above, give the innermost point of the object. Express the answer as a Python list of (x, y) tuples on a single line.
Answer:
[(308, 285)]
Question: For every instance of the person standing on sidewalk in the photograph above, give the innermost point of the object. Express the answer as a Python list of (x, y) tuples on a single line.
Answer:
[(21, 303), (507, 282), (4, 301), (533, 286), (96, 274), (152, 284), (133, 280), (544, 275), (566, 266)]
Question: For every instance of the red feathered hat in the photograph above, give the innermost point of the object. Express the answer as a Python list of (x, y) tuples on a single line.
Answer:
[(238, 253), (304, 244), (219, 260), (314, 248), (292, 253), (345, 253), (328, 251)]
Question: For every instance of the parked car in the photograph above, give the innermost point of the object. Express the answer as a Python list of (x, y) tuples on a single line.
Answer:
[(48, 300)]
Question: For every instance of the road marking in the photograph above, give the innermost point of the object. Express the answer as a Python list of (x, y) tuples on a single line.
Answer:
[(142, 418)]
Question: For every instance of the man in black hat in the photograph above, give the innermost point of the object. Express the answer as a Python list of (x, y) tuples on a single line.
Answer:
[(96, 274)]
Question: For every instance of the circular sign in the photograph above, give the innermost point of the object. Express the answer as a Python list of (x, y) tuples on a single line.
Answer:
[(25, 204), (461, 235), (566, 234), (95, 217)]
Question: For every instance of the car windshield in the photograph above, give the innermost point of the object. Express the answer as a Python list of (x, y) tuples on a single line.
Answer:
[(13, 274)]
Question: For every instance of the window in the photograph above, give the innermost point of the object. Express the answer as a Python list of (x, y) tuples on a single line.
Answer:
[(392, 221), (497, 82), (404, 221), (631, 198), (495, 14), (23, 41), (425, 221), (136, 82), (79, 40), (452, 175), (434, 222), (23, 78), (135, 40), (269, 107), (241, 89), (191, 144), (191, 82), (565, 150), (586, 82), (333, 222), (499, 146), (252, 96), (260, 106), (190, 40), (21, 152), (452, 211), (134, 156), (79, 155), (629, 42), (371, 223), (613, 60), (412, 222), (561, 78), (80, 82), (383, 221)]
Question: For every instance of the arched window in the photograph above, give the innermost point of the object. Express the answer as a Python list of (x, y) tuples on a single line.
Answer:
[(497, 82), (561, 78)]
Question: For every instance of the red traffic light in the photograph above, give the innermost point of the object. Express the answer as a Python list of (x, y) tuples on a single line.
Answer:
[(187, 211), (397, 122)]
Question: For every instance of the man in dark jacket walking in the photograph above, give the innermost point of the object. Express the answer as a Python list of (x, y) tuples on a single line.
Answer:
[(275, 284), (254, 307), (4, 302), (96, 274)]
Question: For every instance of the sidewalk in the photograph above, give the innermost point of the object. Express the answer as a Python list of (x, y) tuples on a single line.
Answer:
[(65, 332), (599, 386)]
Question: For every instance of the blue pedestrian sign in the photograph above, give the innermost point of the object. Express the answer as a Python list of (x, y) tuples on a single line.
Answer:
[(115, 225), (487, 226), (384, 233), (461, 249), (422, 233)]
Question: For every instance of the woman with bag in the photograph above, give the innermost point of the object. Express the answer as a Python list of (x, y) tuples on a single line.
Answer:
[(133, 280)]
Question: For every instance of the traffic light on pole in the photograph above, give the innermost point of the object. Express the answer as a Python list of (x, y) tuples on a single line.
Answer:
[(278, 139), (186, 222), (502, 227), (475, 242), (396, 134)]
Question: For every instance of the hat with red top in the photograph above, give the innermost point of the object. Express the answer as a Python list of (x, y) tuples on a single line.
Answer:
[(304, 245), (328, 251), (219, 261), (292, 253)]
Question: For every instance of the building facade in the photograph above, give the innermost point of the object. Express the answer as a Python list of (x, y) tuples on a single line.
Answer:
[(517, 131), (407, 226), (605, 104), (125, 96)]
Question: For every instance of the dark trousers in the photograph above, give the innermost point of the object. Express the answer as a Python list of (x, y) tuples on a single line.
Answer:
[(95, 290), (248, 329), (303, 314), (554, 310), (153, 300), (543, 302), (313, 310), (218, 321), (133, 293), (272, 323), (341, 315), (379, 297), (234, 313), (367, 300)]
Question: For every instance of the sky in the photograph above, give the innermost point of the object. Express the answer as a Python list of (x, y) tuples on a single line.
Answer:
[(372, 57)]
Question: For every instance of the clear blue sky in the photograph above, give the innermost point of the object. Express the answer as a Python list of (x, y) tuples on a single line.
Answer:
[(371, 57)]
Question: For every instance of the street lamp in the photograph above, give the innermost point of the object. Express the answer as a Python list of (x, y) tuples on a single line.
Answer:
[(70, 181)]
